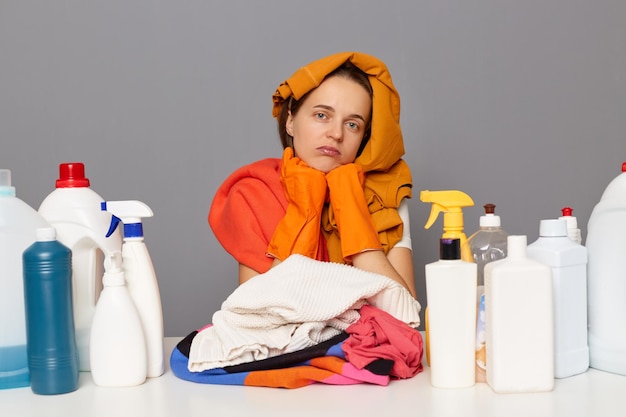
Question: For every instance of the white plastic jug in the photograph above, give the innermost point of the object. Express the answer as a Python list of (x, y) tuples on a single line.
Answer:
[(18, 230), (73, 209), (606, 278)]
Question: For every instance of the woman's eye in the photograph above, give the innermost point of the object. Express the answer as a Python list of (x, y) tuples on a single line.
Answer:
[(353, 126), (320, 115)]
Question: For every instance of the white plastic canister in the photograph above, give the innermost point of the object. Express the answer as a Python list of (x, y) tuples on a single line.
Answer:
[(18, 230), (606, 278), (73, 209), (568, 261)]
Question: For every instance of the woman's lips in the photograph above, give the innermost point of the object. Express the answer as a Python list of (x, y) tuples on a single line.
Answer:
[(328, 150)]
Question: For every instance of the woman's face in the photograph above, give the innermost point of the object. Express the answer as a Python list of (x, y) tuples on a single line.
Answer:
[(328, 128)]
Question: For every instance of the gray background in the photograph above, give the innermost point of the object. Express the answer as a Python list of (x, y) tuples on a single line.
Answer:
[(519, 103)]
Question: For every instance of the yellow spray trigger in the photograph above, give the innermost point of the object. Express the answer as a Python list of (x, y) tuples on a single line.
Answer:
[(447, 201), (451, 203)]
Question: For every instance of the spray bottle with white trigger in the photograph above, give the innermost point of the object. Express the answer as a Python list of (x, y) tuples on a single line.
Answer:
[(141, 278)]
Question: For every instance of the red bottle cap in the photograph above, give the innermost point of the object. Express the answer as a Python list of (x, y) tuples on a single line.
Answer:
[(567, 211), (72, 175), (623, 166)]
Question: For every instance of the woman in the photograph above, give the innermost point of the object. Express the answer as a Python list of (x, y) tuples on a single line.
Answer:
[(338, 193)]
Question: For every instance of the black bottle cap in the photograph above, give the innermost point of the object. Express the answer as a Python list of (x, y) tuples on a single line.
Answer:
[(449, 249)]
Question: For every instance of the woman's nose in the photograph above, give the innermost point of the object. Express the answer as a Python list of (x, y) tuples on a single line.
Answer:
[(335, 131)]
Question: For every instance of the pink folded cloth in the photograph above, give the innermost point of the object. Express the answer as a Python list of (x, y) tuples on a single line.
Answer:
[(379, 335)]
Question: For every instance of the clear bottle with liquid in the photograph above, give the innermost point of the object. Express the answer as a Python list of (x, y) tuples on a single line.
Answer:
[(487, 244)]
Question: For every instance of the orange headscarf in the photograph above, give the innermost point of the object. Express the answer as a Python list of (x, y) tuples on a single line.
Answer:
[(388, 178)]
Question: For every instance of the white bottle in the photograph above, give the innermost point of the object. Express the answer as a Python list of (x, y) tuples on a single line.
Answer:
[(572, 224), (451, 297), (487, 244), (73, 209), (140, 277), (519, 322), (606, 278), (118, 348), (18, 230), (568, 261)]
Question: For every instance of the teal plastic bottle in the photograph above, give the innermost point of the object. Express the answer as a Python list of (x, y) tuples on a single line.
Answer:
[(51, 344)]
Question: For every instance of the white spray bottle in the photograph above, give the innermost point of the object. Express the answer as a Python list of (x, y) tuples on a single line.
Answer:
[(141, 279), (117, 351)]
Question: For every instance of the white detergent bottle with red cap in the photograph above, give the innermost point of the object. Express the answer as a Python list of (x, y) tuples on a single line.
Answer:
[(572, 224), (18, 230), (73, 209), (141, 278), (606, 278), (568, 261)]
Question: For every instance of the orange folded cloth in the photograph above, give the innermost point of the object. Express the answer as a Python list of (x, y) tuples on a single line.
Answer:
[(246, 210)]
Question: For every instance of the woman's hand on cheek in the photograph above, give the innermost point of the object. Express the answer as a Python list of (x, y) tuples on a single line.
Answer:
[(300, 180), (354, 222), (299, 230), (351, 170)]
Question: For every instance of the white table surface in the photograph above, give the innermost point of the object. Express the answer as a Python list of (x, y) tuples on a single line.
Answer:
[(594, 393)]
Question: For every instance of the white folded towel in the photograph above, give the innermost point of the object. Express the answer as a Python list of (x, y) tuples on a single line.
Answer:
[(297, 304)]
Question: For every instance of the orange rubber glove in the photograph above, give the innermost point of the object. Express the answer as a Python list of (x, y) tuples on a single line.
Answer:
[(299, 231), (354, 222)]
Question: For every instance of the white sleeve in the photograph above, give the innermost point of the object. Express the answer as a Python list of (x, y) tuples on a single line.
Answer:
[(403, 211)]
